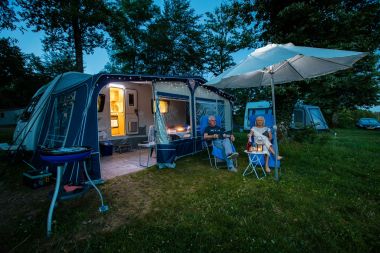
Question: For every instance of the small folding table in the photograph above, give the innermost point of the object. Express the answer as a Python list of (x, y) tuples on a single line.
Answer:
[(255, 160)]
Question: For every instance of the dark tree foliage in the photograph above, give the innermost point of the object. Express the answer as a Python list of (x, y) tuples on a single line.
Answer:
[(128, 31), (175, 45), (20, 75), (225, 34), (7, 15), (56, 63), (339, 24), (144, 40), (68, 24)]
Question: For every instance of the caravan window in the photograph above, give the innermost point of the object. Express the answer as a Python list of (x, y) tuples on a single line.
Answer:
[(59, 122), (101, 101), (131, 99)]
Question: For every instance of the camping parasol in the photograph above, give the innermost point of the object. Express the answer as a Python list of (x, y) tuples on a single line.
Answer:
[(283, 63)]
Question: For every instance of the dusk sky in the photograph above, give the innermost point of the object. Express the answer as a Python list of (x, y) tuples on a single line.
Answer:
[(30, 42)]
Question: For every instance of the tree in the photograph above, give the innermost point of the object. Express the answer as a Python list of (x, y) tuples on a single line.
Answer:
[(340, 24), (56, 63), (175, 45), (7, 16), (225, 34), (71, 23), (20, 75), (128, 31)]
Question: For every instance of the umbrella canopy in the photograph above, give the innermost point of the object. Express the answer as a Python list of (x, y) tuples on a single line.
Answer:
[(284, 63)]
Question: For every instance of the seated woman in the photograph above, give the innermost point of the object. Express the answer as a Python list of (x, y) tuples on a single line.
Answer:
[(264, 133)]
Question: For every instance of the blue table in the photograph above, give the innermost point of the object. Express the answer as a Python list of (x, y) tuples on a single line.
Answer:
[(61, 157)]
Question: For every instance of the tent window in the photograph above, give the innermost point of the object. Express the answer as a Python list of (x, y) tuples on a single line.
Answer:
[(208, 108), (177, 119), (299, 119), (60, 120), (221, 112), (317, 117)]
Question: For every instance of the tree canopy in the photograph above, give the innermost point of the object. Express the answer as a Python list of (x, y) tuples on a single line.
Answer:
[(7, 16), (75, 24), (225, 34), (339, 24), (143, 38)]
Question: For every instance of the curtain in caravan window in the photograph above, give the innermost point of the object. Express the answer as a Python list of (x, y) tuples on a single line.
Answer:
[(60, 120)]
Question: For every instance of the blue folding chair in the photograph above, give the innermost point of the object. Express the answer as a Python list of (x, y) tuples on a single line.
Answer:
[(269, 121), (205, 144), (217, 155)]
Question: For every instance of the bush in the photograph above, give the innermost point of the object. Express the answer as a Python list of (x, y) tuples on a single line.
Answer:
[(310, 135)]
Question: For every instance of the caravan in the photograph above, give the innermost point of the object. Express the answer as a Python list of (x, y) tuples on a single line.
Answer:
[(77, 109)]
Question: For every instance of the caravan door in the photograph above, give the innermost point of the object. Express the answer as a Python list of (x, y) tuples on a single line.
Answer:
[(117, 99), (131, 111)]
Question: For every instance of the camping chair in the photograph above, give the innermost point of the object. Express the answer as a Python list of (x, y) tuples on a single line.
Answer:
[(216, 156), (150, 144), (269, 121), (205, 144)]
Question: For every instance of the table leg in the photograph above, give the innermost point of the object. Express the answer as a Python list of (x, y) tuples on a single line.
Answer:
[(54, 200), (140, 157), (102, 208), (149, 154)]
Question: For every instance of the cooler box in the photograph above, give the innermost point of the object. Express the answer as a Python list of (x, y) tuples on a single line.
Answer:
[(106, 148), (36, 178)]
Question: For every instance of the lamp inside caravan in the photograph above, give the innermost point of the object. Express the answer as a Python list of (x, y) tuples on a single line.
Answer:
[(163, 105)]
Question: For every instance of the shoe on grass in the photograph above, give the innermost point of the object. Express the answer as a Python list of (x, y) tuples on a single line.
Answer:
[(233, 169), (233, 155)]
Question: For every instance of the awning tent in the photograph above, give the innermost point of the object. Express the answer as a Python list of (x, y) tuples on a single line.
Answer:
[(64, 113)]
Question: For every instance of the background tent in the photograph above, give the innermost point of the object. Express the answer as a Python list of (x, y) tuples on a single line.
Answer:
[(308, 116)]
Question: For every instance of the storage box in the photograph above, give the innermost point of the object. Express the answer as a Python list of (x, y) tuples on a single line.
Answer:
[(36, 179), (106, 148)]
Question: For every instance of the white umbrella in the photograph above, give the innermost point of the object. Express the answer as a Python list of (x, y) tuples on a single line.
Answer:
[(283, 63)]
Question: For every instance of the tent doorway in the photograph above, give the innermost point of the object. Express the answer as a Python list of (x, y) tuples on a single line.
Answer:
[(124, 117)]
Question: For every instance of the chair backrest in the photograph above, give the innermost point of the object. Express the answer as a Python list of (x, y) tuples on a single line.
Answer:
[(203, 123), (269, 121)]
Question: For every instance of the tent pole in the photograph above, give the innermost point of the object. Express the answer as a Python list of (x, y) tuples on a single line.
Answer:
[(274, 126)]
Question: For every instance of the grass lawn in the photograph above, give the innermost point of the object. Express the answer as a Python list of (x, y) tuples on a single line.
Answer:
[(326, 201)]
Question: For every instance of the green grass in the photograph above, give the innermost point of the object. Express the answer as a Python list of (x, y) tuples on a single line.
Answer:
[(326, 201)]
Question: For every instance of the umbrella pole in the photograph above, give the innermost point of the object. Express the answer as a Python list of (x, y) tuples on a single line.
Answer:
[(274, 127)]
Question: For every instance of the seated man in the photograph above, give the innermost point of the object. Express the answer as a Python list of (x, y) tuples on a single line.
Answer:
[(222, 141)]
